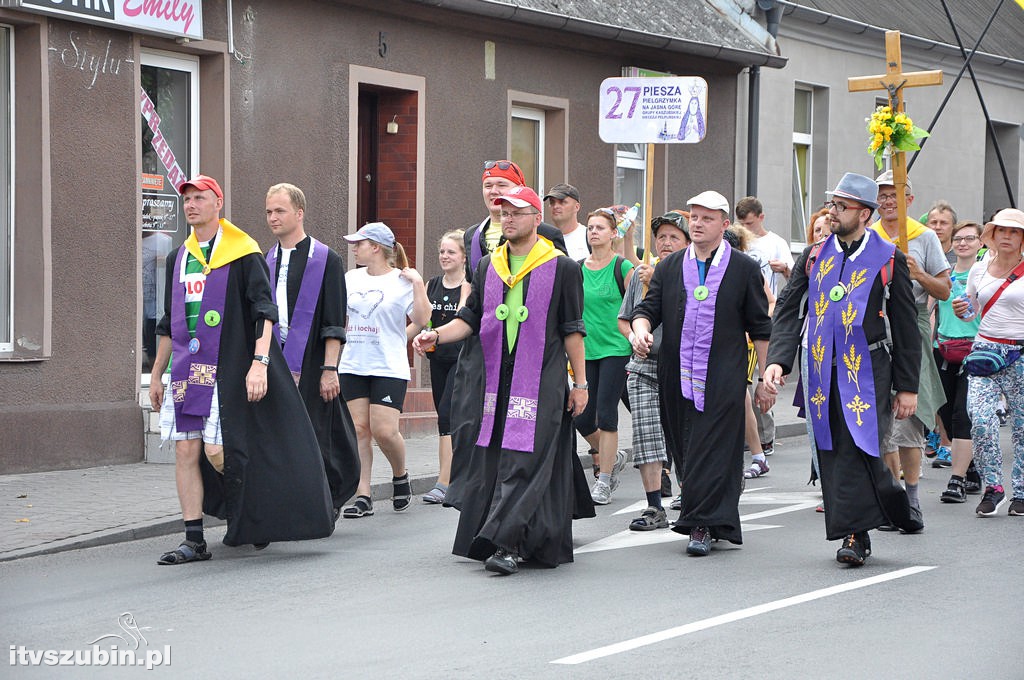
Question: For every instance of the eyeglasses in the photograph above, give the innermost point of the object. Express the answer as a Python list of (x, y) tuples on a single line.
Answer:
[(887, 198), (501, 165), (965, 239), (510, 215), (840, 207)]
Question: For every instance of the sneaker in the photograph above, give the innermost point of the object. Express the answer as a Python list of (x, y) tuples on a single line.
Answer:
[(856, 548), (700, 542), (666, 484), (601, 493), (932, 444), (758, 468), (943, 458), (502, 562), (1016, 508), (768, 448), (955, 491), (617, 468), (677, 502), (991, 501), (650, 519)]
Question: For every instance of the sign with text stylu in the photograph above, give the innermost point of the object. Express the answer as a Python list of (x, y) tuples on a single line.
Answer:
[(669, 110)]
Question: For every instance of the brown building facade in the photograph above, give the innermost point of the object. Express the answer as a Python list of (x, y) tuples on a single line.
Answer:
[(378, 110)]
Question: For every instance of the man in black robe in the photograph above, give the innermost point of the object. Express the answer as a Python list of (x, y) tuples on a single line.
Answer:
[(309, 288), (708, 299), (516, 488), (262, 471), (859, 491)]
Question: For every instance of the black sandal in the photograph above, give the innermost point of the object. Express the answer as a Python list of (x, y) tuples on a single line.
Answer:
[(403, 492), (363, 507), (188, 551)]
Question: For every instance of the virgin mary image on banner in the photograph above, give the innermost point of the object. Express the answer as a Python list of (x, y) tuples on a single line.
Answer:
[(692, 128)]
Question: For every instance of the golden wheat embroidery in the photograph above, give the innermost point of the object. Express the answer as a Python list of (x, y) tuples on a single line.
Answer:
[(852, 361), (849, 315)]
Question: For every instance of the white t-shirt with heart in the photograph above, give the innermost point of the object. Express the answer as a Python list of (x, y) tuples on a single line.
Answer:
[(375, 342)]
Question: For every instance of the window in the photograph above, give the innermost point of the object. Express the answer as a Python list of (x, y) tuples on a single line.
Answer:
[(802, 116), (170, 82), (631, 182), (6, 191), (810, 156), (528, 145)]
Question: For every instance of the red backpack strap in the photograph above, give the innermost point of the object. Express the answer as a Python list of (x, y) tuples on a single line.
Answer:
[(888, 269), (812, 257)]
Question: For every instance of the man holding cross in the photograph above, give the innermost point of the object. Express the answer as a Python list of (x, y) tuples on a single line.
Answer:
[(929, 273)]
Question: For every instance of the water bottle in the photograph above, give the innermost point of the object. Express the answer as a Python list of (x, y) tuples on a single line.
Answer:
[(959, 292), (628, 219)]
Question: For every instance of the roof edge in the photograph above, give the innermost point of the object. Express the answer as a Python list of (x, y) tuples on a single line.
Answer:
[(817, 16), (541, 19)]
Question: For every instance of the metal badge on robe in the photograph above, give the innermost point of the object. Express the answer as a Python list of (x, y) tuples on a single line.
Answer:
[(193, 346)]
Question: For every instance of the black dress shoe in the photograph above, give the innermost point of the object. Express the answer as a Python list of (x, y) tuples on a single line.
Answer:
[(502, 562), (856, 548)]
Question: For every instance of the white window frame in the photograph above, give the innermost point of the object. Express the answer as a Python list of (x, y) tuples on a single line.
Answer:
[(527, 113), (805, 139), (186, 64), (8, 345)]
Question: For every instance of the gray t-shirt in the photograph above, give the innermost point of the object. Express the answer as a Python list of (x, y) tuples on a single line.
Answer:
[(634, 294), (927, 250)]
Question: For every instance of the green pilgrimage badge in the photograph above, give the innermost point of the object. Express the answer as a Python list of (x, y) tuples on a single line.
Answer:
[(700, 293), (837, 293), (212, 317)]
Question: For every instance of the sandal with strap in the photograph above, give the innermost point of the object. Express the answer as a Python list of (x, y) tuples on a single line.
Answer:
[(188, 551), (757, 469), (650, 519), (402, 497), (363, 507)]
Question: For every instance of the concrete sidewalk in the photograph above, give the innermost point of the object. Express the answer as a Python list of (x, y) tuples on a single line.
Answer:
[(47, 512)]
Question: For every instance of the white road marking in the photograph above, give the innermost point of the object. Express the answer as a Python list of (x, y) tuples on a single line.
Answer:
[(679, 631)]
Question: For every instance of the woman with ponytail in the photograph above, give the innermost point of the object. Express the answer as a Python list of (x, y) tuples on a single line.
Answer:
[(382, 293)]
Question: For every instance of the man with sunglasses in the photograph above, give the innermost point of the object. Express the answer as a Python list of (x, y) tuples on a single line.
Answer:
[(929, 274), (853, 365), (499, 178)]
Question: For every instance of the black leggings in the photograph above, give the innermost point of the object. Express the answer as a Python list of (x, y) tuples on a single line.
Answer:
[(953, 413), (442, 380), (606, 378)]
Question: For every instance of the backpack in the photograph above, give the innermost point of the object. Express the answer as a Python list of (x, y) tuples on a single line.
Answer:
[(619, 278)]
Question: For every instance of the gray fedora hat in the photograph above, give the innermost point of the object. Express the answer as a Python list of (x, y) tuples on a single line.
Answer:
[(857, 187)]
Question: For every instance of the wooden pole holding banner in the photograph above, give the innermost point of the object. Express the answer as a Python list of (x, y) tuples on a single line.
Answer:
[(893, 83), (648, 204)]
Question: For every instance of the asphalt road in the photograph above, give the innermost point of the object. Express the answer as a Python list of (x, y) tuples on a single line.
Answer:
[(384, 597)]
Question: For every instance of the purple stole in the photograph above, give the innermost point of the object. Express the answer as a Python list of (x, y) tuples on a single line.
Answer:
[(196, 371), (476, 251), (835, 333), (699, 324), (521, 416), (301, 319)]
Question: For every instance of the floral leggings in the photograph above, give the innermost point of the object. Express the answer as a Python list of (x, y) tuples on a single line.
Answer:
[(983, 400)]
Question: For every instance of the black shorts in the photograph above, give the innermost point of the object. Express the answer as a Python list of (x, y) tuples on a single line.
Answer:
[(383, 391)]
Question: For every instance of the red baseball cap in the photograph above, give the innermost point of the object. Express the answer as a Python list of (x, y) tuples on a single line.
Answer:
[(203, 183), (521, 197)]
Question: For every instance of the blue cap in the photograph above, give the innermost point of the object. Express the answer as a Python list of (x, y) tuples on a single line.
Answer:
[(378, 232), (858, 188)]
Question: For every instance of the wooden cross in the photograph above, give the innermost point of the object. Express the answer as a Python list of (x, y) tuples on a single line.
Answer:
[(893, 83)]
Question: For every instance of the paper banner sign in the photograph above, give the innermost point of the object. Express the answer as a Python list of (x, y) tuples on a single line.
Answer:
[(669, 110)]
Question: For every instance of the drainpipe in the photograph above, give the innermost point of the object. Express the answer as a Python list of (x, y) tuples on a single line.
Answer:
[(773, 15)]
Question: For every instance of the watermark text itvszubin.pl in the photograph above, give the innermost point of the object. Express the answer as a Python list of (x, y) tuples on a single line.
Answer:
[(19, 655)]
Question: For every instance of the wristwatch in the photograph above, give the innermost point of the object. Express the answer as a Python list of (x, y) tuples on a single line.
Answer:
[(580, 386), (262, 358)]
